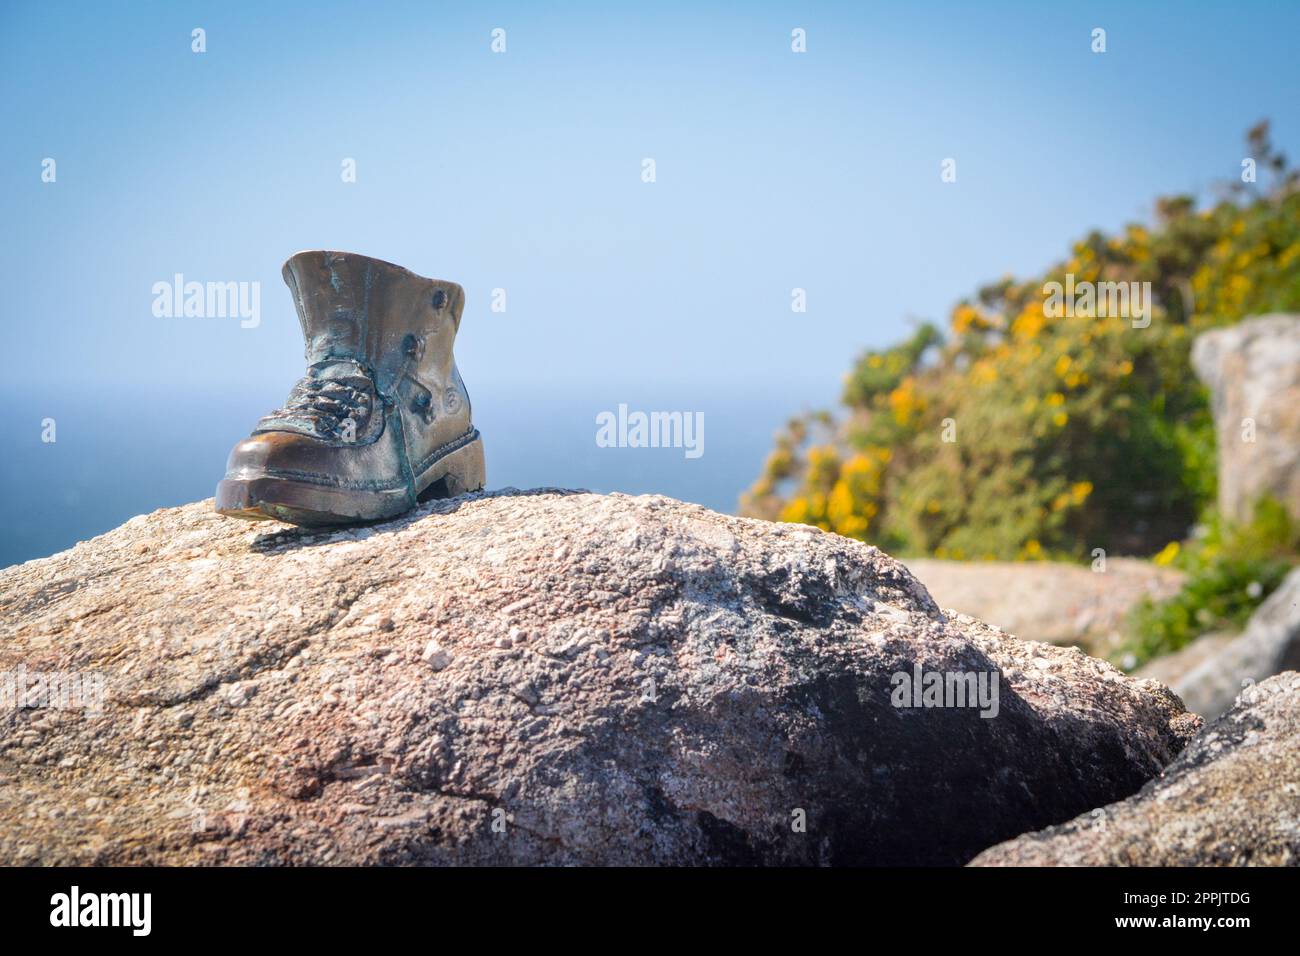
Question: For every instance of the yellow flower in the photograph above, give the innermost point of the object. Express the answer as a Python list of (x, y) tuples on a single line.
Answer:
[(1059, 419), (1078, 493), (859, 464), (795, 511), (1029, 322), (853, 526), (903, 401), (983, 372), (965, 318), (1167, 555), (839, 508)]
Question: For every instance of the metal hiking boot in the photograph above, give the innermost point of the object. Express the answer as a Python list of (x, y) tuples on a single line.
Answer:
[(380, 420)]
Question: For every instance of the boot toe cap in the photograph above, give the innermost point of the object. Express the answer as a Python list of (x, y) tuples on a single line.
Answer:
[(271, 452), (292, 457)]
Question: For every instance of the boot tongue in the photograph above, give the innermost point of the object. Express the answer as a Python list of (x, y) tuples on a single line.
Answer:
[(340, 370), (331, 395)]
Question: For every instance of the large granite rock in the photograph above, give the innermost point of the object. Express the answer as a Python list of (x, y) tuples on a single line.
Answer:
[(1232, 798), (542, 677), (1269, 645), (1253, 371)]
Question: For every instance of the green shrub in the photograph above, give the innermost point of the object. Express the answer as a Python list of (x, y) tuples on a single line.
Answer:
[(1230, 571)]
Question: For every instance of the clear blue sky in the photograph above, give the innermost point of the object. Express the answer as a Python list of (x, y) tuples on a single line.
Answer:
[(522, 170)]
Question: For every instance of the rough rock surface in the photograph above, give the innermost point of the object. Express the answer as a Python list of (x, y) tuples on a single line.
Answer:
[(1253, 371), (1269, 645), (1048, 601), (534, 677), (1232, 798)]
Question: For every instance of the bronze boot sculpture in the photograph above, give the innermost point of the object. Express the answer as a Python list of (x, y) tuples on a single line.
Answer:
[(381, 418)]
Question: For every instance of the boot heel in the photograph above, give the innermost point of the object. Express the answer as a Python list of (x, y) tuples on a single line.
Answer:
[(457, 473)]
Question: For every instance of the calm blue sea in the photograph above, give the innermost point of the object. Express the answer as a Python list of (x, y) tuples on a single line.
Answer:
[(127, 451)]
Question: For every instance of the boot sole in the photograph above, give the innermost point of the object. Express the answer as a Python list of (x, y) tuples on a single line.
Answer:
[(268, 498)]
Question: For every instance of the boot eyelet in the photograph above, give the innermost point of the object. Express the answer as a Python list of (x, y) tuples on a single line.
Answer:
[(422, 405), (439, 300)]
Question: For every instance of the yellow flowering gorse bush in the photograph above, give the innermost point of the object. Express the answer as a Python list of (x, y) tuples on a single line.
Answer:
[(1019, 433)]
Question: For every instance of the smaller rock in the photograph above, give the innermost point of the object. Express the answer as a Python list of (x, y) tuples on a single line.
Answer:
[(436, 656), (1253, 371), (1048, 601), (239, 693), (1169, 669), (1231, 798)]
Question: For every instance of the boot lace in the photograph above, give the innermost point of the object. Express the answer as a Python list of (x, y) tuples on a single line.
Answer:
[(326, 405)]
